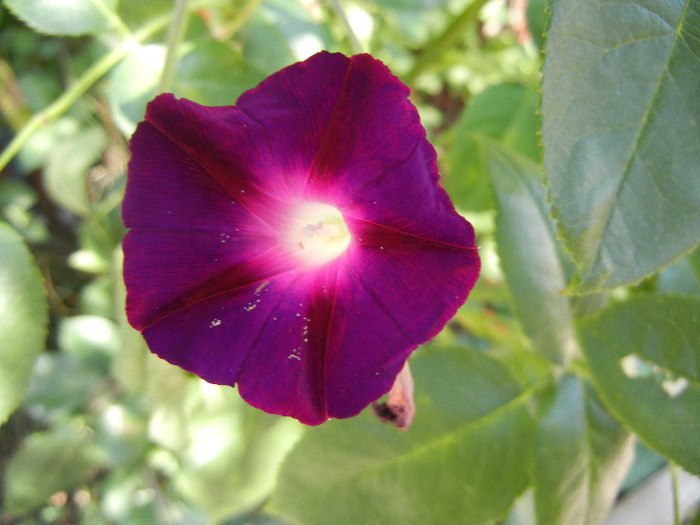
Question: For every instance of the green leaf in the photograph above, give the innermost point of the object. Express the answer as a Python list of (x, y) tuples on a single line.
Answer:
[(228, 452), (280, 33), (213, 75), (92, 338), (528, 253), (53, 390), (66, 173), (17, 198), (64, 17), (621, 105), (581, 457), (644, 356), (134, 83), (537, 21), (693, 260), (23, 318), (469, 436), (505, 113), (408, 5), (48, 462), (130, 364)]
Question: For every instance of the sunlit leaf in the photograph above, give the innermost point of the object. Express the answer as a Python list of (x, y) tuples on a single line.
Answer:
[(644, 356), (581, 457), (528, 252), (621, 104), (134, 82), (92, 338), (228, 452), (23, 318), (471, 434), (66, 172), (64, 17), (271, 45)]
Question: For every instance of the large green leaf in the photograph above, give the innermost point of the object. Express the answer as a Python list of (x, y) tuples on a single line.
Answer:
[(470, 436), (64, 17), (621, 106), (528, 252), (644, 356), (23, 318), (581, 457)]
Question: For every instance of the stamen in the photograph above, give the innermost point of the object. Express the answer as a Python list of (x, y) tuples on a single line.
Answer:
[(319, 233)]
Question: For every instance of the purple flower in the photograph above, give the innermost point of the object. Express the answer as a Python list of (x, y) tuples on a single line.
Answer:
[(296, 244)]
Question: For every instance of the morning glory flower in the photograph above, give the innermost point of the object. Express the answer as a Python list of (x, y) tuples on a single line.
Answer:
[(297, 244)]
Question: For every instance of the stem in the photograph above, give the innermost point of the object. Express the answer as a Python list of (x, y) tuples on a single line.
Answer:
[(85, 82), (340, 11), (116, 22), (674, 484), (445, 39), (243, 15), (177, 30)]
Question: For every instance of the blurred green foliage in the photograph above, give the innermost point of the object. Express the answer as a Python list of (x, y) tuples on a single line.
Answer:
[(581, 332)]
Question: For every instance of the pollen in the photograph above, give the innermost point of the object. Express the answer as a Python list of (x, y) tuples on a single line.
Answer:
[(319, 233)]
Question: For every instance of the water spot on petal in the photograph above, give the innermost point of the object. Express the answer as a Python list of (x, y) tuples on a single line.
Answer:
[(214, 323)]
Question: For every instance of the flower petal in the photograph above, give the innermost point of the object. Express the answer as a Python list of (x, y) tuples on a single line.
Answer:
[(212, 278), (187, 232)]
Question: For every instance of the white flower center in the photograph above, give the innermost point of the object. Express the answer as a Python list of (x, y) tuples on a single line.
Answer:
[(319, 233)]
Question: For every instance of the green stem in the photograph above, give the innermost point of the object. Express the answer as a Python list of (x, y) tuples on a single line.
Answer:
[(437, 45), (110, 15), (85, 82), (175, 34), (674, 482), (242, 18), (340, 11)]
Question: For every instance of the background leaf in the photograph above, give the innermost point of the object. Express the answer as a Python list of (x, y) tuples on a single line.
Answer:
[(47, 462), (470, 426), (214, 75), (23, 318), (63, 17), (66, 172), (228, 452), (581, 457), (505, 113), (622, 151), (645, 358), (524, 232)]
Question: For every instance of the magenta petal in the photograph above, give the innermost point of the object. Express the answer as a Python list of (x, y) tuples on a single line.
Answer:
[(395, 293), (222, 278)]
